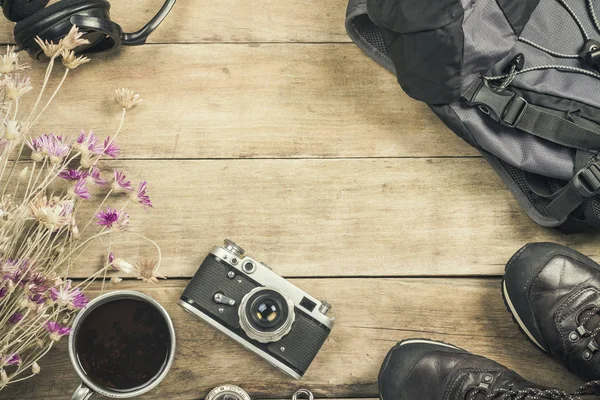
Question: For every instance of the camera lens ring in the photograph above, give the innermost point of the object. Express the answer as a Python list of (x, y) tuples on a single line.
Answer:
[(278, 329)]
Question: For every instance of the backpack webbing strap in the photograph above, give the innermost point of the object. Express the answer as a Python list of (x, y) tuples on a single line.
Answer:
[(585, 184), (511, 110)]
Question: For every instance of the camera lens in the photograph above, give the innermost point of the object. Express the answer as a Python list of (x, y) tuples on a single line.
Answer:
[(267, 310), (266, 315)]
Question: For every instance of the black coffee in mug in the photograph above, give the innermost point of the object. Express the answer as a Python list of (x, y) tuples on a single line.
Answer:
[(123, 344)]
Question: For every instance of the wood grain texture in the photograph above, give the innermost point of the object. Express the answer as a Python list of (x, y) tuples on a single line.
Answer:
[(193, 21), (251, 101), (371, 316), (358, 217)]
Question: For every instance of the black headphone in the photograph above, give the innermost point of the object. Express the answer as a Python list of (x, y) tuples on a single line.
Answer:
[(92, 17)]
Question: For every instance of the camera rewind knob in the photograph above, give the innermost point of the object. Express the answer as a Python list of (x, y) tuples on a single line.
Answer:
[(233, 248), (324, 308)]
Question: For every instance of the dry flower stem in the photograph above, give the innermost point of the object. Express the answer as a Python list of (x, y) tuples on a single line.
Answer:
[(39, 236)]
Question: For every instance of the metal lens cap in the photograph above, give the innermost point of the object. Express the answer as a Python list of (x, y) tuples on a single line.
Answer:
[(228, 392)]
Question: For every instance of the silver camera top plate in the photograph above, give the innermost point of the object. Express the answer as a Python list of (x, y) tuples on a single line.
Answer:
[(266, 277)]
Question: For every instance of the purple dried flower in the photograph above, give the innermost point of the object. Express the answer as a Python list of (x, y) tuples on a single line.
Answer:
[(15, 317), (56, 330), (67, 297), (16, 276), (121, 184), (110, 259), (37, 298), (80, 301), (49, 145), (141, 196), (111, 149), (88, 143), (10, 359), (98, 180), (80, 190), (73, 175), (113, 219), (37, 282)]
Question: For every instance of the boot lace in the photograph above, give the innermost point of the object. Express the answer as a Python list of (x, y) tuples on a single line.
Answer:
[(590, 388)]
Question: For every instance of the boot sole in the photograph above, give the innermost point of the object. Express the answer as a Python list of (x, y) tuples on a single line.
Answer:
[(427, 341), (517, 320)]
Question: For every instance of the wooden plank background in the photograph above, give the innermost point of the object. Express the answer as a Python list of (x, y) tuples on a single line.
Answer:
[(261, 122)]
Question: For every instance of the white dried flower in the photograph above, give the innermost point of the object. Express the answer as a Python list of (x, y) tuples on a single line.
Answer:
[(10, 286), (73, 39), (116, 279), (24, 302), (3, 377), (9, 62), (16, 86), (6, 208), (37, 156), (11, 130), (71, 61), (86, 161), (75, 230), (52, 214), (35, 368), (24, 175), (127, 98), (147, 271), (49, 48), (121, 265)]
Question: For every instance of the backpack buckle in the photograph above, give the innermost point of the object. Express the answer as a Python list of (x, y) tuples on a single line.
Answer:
[(587, 181), (504, 107)]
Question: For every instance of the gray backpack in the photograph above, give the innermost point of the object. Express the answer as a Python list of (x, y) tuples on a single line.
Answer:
[(517, 79)]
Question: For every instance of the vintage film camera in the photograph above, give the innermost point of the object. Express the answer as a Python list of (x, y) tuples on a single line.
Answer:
[(259, 309)]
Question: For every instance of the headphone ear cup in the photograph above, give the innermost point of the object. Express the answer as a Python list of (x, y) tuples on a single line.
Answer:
[(18, 10), (53, 22)]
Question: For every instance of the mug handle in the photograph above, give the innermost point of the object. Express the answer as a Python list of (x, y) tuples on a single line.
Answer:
[(82, 393)]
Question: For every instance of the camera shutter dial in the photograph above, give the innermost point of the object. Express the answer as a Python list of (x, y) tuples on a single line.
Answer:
[(232, 247)]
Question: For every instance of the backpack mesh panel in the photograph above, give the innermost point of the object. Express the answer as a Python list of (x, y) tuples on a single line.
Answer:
[(518, 176), (365, 28), (596, 206)]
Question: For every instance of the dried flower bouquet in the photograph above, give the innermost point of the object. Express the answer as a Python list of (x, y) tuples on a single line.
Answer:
[(41, 239)]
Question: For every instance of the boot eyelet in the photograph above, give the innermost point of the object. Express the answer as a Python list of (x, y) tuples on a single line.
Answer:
[(587, 355), (574, 337), (582, 331)]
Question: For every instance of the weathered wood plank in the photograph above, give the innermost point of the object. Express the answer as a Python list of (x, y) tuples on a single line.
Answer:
[(231, 21), (249, 101), (372, 315), (358, 217)]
